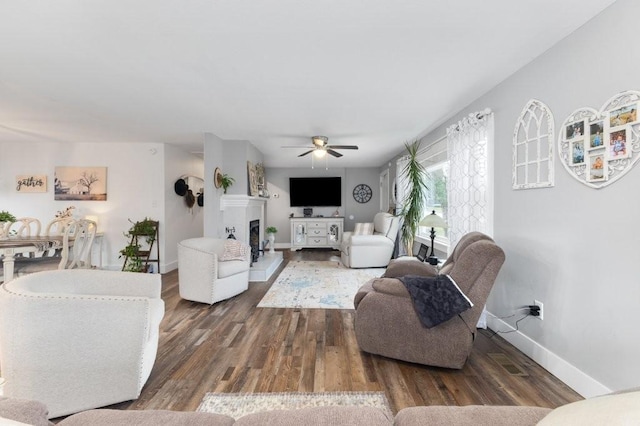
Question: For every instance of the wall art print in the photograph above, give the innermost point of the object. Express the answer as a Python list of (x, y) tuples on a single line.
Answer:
[(252, 179), (598, 147), (31, 183), (80, 183)]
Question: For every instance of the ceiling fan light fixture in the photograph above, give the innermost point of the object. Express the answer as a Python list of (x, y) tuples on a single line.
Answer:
[(319, 153), (320, 140)]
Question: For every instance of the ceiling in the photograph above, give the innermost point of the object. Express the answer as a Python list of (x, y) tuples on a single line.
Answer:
[(373, 73)]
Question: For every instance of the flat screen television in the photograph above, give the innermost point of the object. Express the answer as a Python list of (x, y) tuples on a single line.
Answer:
[(315, 191)]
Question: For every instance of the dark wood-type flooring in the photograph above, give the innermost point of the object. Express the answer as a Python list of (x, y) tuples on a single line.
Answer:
[(233, 346)]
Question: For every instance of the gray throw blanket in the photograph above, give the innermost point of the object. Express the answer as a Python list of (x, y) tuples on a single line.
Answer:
[(435, 299)]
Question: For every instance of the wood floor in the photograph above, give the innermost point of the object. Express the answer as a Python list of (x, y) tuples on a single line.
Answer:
[(235, 347)]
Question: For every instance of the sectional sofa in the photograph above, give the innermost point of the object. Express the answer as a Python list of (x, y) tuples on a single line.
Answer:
[(614, 409)]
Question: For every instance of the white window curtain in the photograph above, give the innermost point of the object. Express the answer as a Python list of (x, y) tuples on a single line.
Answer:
[(470, 191)]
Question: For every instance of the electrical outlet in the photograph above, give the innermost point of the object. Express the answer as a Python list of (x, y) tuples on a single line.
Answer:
[(541, 305)]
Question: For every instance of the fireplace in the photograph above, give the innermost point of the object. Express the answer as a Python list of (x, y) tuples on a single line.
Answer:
[(254, 239), (244, 216)]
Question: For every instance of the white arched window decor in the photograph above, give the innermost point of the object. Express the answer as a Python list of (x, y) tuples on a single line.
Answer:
[(533, 141), (599, 147), (470, 190)]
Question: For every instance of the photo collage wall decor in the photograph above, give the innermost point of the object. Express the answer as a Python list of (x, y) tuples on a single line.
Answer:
[(599, 147)]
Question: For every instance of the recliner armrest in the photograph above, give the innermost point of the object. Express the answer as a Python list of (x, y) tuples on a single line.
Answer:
[(409, 266), (390, 286)]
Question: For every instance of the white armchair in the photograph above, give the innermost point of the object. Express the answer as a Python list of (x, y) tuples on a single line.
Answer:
[(78, 339), (203, 275), (371, 251)]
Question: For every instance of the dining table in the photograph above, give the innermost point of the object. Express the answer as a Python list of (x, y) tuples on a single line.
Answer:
[(25, 246)]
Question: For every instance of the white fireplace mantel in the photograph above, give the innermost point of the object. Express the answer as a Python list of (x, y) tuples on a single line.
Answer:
[(240, 201), (238, 211)]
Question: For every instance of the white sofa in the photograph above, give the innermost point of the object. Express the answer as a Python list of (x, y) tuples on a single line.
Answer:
[(371, 251), (79, 339), (202, 274)]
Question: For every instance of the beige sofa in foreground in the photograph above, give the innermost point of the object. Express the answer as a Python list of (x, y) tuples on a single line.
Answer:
[(614, 409)]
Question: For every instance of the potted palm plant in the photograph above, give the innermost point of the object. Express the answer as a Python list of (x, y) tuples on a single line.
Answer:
[(226, 181), (411, 212)]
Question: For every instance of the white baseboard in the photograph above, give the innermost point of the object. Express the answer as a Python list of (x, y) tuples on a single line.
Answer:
[(576, 379)]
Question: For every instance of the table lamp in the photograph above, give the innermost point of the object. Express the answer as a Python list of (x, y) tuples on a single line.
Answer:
[(433, 221)]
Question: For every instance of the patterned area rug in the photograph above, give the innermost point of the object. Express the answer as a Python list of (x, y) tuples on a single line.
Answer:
[(237, 405), (317, 284)]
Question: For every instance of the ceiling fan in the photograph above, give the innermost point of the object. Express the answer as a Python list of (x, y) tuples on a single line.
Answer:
[(321, 147)]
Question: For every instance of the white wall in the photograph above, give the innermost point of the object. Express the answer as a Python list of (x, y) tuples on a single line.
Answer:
[(137, 187), (571, 247), (213, 157), (231, 157), (181, 221), (278, 208)]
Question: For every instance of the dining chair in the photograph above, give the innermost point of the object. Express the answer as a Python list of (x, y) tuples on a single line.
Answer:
[(56, 227), (25, 227), (75, 252)]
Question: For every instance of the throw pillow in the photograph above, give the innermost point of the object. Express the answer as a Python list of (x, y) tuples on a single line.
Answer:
[(435, 299), (234, 250), (363, 229), (618, 409)]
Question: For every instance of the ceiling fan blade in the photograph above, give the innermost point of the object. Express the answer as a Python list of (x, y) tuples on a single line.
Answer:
[(305, 153), (334, 153), (296, 146), (342, 146)]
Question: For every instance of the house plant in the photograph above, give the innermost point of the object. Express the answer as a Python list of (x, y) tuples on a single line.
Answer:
[(413, 203), (226, 181), (6, 219), (136, 259), (271, 234)]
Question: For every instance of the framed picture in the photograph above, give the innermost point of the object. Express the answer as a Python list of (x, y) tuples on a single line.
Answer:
[(618, 146), (422, 253), (596, 167), (80, 183), (31, 183), (596, 135), (577, 152), (575, 130), (253, 179), (623, 115)]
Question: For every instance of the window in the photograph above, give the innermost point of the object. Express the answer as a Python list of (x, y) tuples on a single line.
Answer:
[(435, 161)]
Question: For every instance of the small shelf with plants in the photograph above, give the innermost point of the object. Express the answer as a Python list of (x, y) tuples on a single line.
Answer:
[(143, 238)]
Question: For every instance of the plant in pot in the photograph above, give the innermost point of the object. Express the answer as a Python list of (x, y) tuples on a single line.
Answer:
[(271, 234), (135, 257), (226, 181), (6, 219), (416, 179)]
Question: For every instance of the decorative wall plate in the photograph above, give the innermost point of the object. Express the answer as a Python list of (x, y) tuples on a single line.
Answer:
[(599, 147), (217, 177)]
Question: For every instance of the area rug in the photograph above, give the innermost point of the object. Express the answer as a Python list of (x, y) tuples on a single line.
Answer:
[(237, 405), (317, 284)]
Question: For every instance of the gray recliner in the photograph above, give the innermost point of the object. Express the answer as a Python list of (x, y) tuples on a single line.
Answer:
[(386, 322)]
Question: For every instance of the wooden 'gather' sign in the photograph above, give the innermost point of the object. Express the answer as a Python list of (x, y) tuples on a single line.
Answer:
[(31, 183)]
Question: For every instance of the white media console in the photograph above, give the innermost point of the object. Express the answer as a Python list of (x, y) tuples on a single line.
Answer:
[(317, 232)]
